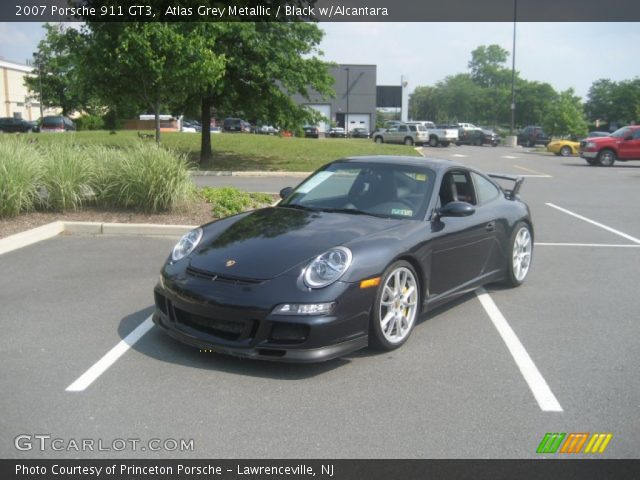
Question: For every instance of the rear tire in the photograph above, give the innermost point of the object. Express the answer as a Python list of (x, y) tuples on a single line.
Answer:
[(565, 151), (606, 158), (520, 253), (378, 140), (445, 144), (433, 141), (396, 307)]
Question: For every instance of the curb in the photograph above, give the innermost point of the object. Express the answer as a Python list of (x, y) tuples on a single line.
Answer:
[(50, 230), (227, 173)]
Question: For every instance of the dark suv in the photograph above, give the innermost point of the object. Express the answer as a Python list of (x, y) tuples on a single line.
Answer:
[(16, 125), (531, 136), (57, 123)]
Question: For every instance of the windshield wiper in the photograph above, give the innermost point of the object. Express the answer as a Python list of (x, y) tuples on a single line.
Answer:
[(299, 207), (353, 211)]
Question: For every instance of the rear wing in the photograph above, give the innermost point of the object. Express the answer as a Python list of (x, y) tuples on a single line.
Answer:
[(517, 179)]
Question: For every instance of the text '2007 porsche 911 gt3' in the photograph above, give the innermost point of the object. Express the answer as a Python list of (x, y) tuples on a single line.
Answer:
[(349, 258)]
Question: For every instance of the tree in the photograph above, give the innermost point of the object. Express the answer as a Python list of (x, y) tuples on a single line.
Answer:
[(150, 64), (533, 99), (487, 66), (266, 63), (565, 116), (611, 101), (57, 82)]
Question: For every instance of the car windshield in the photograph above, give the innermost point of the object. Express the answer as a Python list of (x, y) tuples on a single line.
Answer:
[(621, 132), (383, 190), (52, 121)]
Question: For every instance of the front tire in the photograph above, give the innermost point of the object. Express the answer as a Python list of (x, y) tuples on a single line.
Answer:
[(445, 144), (520, 253), (408, 141), (606, 158), (565, 151), (395, 307)]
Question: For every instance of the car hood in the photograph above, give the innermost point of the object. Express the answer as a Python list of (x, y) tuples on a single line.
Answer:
[(268, 242)]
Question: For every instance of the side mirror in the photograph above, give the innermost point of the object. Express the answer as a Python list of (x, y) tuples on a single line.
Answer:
[(285, 192), (455, 209)]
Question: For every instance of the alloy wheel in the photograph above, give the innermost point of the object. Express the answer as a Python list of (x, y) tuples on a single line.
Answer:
[(398, 305), (521, 254)]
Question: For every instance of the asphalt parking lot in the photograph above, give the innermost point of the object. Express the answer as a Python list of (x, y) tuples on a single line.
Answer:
[(461, 387)]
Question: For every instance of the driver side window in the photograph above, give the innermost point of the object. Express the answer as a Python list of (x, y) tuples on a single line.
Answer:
[(457, 187)]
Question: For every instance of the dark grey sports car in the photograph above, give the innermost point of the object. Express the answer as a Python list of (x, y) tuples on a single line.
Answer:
[(348, 258)]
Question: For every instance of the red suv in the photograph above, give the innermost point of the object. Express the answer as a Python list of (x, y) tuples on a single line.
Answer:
[(623, 145)]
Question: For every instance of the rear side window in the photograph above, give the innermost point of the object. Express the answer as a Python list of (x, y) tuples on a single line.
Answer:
[(485, 190), (52, 122)]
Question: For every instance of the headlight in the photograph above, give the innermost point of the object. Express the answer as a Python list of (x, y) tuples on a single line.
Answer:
[(590, 145), (328, 267), (186, 244)]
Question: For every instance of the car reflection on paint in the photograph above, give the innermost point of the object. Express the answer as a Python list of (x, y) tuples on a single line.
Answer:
[(349, 258)]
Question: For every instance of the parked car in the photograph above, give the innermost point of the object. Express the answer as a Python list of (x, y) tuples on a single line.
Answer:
[(490, 137), (531, 136), (316, 276), (467, 126), (57, 124), (405, 133), (470, 136), (563, 147), (359, 132), (337, 132), (622, 145), (266, 130), (191, 126), (236, 125), (311, 131), (443, 135), (16, 125)]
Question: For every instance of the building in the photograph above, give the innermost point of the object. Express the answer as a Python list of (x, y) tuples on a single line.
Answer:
[(351, 107), (15, 99)]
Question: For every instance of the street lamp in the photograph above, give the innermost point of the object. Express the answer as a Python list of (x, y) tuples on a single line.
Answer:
[(513, 68), (346, 115)]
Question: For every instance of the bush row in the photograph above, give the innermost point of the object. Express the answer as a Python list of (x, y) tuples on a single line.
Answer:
[(65, 176)]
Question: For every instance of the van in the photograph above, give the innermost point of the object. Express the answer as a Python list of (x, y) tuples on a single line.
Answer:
[(57, 123)]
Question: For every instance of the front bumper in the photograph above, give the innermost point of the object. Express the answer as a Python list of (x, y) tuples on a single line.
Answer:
[(237, 320), (589, 155)]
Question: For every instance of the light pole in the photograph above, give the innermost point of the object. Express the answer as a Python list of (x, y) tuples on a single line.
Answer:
[(346, 115), (513, 68)]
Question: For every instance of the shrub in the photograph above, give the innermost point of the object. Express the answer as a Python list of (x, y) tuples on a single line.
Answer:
[(20, 171), (89, 122), (144, 177), (229, 200), (68, 176)]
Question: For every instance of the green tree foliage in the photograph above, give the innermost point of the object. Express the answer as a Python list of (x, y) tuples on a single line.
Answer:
[(565, 116), (150, 64), (56, 80), (487, 66), (265, 64), (611, 101), (533, 99)]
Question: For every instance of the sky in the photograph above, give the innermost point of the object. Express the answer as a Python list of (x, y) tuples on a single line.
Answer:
[(566, 55)]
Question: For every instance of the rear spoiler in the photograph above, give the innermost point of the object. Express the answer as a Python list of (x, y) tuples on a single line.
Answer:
[(511, 194)]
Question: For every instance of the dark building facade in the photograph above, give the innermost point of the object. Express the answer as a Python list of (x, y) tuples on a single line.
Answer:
[(354, 104)]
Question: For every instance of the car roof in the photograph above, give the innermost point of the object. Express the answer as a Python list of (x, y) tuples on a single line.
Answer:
[(432, 163)]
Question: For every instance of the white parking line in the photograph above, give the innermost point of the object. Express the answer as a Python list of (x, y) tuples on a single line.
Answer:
[(593, 222), (511, 157), (101, 366), (535, 172), (610, 245), (459, 155), (537, 384)]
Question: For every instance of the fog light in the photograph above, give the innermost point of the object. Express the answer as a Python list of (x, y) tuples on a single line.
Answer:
[(304, 308)]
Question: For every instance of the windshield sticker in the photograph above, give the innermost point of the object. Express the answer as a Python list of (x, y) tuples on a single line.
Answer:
[(314, 182), (401, 211)]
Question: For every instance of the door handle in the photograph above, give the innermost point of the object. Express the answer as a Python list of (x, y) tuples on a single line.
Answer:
[(491, 226)]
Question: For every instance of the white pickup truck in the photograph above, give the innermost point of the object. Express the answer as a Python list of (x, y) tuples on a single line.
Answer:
[(439, 136)]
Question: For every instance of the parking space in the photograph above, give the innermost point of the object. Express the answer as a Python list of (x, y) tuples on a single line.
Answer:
[(455, 390)]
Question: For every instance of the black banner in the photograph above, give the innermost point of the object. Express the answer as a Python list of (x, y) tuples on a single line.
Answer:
[(321, 10), (543, 469)]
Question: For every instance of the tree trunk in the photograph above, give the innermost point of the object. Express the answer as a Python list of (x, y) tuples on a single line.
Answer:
[(206, 154), (157, 121)]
